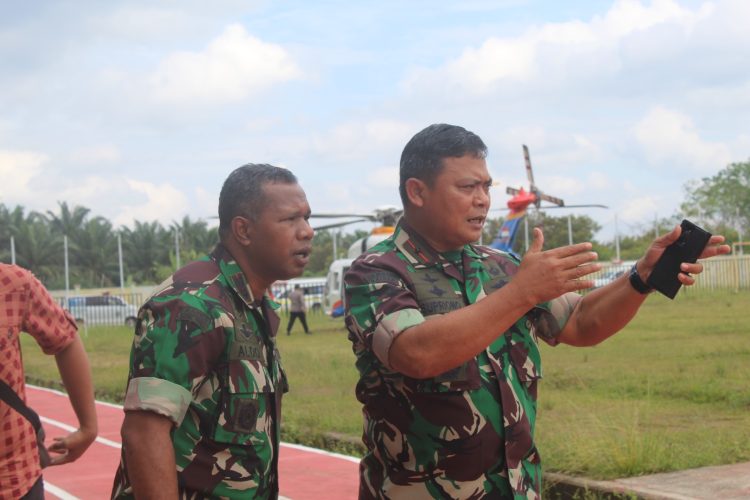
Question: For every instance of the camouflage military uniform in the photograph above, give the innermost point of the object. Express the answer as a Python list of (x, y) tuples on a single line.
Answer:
[(467, 433), (205, 356)]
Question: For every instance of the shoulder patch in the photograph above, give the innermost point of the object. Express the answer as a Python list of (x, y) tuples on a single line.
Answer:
[(203, 320)]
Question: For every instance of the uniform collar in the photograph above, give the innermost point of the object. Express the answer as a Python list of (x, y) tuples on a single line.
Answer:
[(420, 254), (236, 278)]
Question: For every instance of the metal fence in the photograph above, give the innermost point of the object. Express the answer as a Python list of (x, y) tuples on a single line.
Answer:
[(726, 273), (103, 309)]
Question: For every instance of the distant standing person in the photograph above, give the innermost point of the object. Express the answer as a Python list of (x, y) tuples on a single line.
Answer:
[(203, 401), (297, 309), (26, 306)]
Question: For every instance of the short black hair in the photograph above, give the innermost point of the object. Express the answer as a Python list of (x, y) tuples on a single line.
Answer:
[(423, 155), (242, 193)]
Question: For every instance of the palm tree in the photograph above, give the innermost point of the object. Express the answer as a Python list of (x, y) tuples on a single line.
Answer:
[(146, 248), (38, 249), (70, 222), (196, 238), (96, 254)]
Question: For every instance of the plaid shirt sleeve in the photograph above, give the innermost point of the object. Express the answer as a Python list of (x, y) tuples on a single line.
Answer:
[(44, 319)]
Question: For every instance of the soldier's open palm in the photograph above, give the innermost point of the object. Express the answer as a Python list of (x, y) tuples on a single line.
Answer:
[(545, 275)]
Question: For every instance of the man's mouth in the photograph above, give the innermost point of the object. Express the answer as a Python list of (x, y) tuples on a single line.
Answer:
[(477, 220), (303, 253)]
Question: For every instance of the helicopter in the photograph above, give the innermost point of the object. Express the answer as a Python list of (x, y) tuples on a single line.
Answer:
[(519, 204), (386, 217)]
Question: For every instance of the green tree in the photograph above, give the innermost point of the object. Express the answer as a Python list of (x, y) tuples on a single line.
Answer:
[(146, 247), (10, 222), (556, 230), (40, 250), (96, 254), (196, 238), (70, 221), (721, 203)]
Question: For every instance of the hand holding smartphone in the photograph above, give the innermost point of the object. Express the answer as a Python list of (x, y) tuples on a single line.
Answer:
[(687, 248)]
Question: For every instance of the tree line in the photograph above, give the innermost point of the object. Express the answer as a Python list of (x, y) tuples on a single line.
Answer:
[(720, 203)]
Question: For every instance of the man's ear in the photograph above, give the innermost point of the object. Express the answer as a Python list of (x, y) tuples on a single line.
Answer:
[(415, 191), (241, 228)]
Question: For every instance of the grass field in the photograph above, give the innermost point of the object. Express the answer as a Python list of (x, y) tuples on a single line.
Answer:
[(669, 392)]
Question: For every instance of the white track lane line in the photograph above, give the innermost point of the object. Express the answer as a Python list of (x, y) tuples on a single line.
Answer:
[(67, 496), (69, 428), (58, 492)]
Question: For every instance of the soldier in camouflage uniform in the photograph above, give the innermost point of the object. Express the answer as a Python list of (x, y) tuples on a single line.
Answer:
[(203, 401), (445, 332)]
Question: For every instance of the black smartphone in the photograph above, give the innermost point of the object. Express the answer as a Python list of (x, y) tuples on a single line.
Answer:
[(687, 248)]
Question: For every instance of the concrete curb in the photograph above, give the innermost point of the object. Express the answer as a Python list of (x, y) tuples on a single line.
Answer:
[(720, 481)]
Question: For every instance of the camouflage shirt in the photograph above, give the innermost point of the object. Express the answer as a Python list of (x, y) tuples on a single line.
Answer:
[(205, 356), (467, 433)]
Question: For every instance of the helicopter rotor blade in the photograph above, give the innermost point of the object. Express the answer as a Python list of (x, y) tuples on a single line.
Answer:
[(529, 172), (499, 209), (574, 206), (340, 224), (339, 216), (552, 199)]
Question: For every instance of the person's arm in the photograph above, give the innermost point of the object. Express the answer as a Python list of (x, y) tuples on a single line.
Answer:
[(443, 342), (73, 365), (149, 455), (56, 332), (605, 311)]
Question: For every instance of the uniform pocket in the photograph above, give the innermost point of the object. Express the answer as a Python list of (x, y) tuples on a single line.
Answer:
[(247, 403), (461, 378)]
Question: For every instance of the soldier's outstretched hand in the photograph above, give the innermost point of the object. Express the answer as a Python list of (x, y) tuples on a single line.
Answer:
[(713, 248), (545, 275)]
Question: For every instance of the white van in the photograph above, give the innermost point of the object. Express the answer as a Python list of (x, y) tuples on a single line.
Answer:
[(313, 288), (334, 286), (102, 310), (333, 295)]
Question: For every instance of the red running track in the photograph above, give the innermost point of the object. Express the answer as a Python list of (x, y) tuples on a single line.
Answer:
[(305, 473)]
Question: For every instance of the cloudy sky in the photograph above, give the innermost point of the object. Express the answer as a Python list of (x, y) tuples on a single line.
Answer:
[(139, 109)]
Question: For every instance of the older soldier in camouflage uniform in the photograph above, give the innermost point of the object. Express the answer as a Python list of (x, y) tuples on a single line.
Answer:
[(203, 401), (445, 332)]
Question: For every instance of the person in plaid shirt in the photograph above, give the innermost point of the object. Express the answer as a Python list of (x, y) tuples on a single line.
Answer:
[(25, 305)]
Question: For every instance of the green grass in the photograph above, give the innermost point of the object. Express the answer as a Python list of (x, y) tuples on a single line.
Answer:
[(669, 392)]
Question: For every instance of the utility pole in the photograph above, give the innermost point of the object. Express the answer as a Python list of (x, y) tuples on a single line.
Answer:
[(12, 251), (335, 250), (739, 232), (67, 278), (177, 246), (617, 241), (119, 258), (526, 230), (570, 230)]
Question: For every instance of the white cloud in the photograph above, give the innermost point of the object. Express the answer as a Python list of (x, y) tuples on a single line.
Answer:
[(354, 139), (563, 187), (163, 202), (638, 209), (207, 205), (234, 66), (554, 52), (384, 177), (598, 180), (105, 153), (91, 188), (670, 140), (17, 169)]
